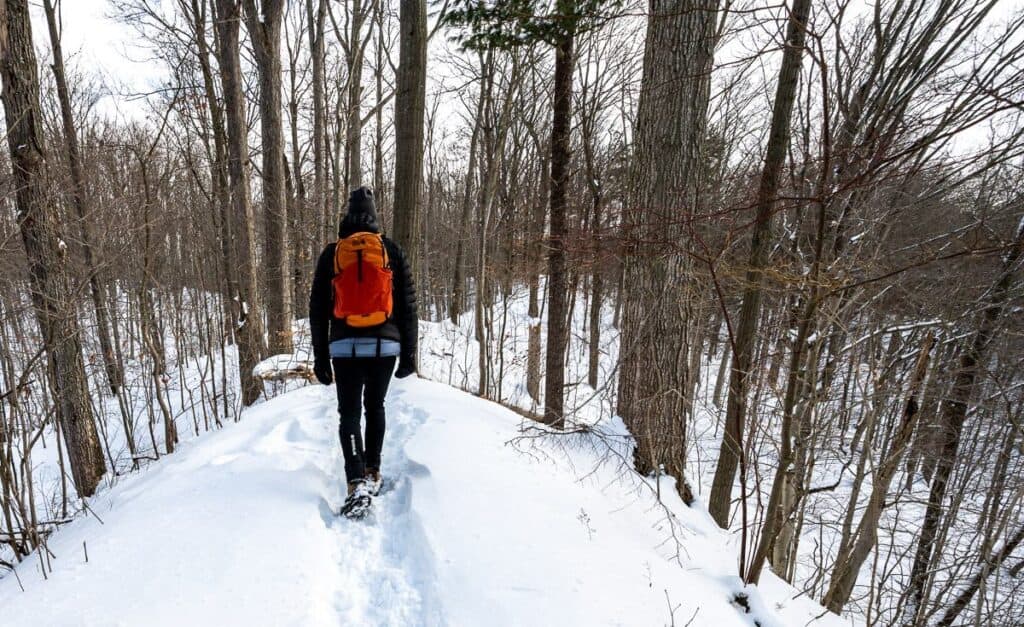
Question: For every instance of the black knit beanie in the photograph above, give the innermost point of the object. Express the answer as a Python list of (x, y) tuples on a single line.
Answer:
[(361, 214)]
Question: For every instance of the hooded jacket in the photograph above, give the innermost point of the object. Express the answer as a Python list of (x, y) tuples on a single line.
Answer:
[(402, 326)]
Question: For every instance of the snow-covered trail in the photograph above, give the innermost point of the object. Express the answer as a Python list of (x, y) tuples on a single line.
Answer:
[(240, 528), (386, 567)]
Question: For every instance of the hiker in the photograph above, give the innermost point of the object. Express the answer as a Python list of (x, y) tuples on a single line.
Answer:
[(362, 317)]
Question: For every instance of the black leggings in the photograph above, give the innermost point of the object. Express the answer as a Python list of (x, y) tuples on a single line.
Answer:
[(367, 377)]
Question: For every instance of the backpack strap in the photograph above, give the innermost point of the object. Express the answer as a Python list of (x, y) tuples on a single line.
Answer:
[(337, 254)]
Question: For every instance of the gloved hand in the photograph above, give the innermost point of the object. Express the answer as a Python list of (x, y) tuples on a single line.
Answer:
[(322, 370), (406, 366)]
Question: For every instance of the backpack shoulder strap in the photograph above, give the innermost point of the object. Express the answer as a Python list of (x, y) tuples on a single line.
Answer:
[(337, 256), (384, 251)]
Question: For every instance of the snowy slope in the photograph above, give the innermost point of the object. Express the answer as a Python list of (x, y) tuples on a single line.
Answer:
[(238, 528)]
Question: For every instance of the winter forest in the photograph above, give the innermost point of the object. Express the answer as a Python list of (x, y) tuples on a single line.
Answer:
[(721, 307)]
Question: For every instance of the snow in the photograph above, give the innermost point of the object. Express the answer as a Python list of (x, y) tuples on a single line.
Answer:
[(492, 520), (278, 365), (485, 524)]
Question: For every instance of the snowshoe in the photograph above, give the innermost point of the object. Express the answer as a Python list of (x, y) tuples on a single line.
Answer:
[(357, 505)]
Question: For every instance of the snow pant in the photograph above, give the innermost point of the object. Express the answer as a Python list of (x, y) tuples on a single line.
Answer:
[(362, 383)]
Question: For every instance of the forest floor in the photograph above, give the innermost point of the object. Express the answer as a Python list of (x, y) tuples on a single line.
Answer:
[(487, 521)]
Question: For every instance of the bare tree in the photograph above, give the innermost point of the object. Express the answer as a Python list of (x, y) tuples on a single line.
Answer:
[(46, 248), (410, 108), (670, 127), (250, 332), (264, 26), (954, 413), (115, 374), (742, 339), (315, 29)]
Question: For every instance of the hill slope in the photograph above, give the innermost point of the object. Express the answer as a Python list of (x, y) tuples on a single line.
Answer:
[(239, 528)]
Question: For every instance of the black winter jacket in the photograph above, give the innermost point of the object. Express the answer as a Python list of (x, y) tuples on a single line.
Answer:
[(403, 326)]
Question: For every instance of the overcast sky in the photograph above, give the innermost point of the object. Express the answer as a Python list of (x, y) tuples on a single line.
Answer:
[(95, 41)]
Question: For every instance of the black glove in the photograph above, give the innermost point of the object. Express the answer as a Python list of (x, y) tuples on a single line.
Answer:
[(322, 370), (406, 366)]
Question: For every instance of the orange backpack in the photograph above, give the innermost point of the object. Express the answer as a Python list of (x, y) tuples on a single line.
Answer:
[(362, 280)]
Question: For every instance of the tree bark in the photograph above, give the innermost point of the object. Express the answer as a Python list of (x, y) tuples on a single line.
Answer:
[(671, 119), (115, 375), (46, 249), (250, 324), (353, 118), (459, 279), (410, 108), (775, 155), (534, 350), (558, 284), (778, 142), (315, 26), (264, 25), (218, 164), (378, 115)]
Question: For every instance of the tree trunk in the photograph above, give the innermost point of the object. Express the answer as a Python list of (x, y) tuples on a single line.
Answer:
[(534, 350), (378, 115), (558, 298), (783, 486), (410, 108), (46, 249), (353, 118), (775, 155), (671, 119), (115, 375), (264, 25), (459, 279), (954, 414), (218, 165), (594, 349), (596, 277), (990, 564), (315, 26), (852, 556), (250, 324)]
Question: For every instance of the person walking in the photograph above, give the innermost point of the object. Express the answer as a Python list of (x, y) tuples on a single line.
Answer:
[(362, 318)]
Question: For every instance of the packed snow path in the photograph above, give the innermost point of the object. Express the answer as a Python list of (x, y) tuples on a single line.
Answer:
[(240, 528)]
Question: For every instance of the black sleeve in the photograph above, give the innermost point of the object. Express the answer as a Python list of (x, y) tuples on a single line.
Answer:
[(321, 303), (406, 315)]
